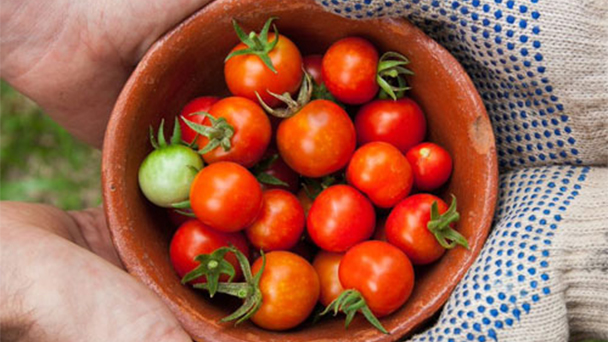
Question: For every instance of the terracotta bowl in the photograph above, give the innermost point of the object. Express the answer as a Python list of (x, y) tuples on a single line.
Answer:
[(188, 62)]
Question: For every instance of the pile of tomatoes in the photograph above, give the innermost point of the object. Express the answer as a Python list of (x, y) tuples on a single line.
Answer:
[(289, 181)]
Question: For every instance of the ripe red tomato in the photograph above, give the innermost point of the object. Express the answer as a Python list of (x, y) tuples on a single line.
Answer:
[(406, 228), (400, 123), (290, 288), (199, 104), (350, 66), (327, 264), (313, 65), (280, 224), (381, 273), (318, 140), (247, 74), (339, 218), (431, 164), (251, 134), (226, 196), (381, 172), (194, 238)]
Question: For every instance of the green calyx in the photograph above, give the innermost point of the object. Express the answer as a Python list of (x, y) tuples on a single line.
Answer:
[(262, 176), (391, 75), (293, 106), (257, 44), (249, 291), (219, 133), (313, 187), (176, 137), (350, 302), (439, 225), (211, 266)]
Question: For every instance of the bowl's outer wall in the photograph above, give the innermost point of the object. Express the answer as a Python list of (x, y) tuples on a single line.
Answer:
[(188, 62)]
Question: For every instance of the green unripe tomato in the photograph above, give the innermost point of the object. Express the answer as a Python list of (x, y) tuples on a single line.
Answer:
[(166, 174)]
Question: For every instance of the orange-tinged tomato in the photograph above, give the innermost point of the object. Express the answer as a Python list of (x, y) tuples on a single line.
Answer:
[(247, 74), (318, 140), (327, 264), (226, 196), (381, 273), (350, 67), (280, 224), (290, 290), (381, 172), (251, 131)]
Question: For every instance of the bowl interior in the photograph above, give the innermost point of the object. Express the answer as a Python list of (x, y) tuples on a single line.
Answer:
[(188, 62)]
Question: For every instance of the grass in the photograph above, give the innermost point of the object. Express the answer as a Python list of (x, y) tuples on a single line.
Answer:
[(40, 161)]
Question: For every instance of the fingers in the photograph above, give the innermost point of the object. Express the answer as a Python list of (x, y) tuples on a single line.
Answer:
[(67, 293), (91, 223)]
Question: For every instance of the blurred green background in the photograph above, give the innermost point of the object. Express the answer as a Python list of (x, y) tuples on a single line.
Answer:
[(40, 161)]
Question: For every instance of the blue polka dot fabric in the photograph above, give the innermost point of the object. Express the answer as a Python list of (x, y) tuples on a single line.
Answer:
[(500, 44), (541, 69)]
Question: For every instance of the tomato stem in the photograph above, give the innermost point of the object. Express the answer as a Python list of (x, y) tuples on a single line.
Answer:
[(350, 302), (391, 70), (211, 266), (262, 176), (249, 290), (439, 225), (293, 106), (219, 133), (257, 44)]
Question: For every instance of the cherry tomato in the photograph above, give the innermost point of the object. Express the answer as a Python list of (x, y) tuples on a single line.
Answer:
[(381, 172), (166, 174), (199, 104), (247, 74), (290, 290), (194, 238), (226, 196), (327, 264), (313, 65), (350, 66), (318, 140), (431, 164), (280, 224), (406, 228), (251, 134), (381, 273), (400, 123), (339, 218)]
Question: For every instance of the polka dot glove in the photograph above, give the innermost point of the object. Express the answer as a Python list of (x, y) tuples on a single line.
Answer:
[(541, 68)]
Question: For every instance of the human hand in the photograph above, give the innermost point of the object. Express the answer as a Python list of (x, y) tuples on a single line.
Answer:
[(62, 281), (73, 57)]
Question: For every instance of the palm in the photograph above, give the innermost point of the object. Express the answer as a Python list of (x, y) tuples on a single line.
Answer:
[(76, 295)]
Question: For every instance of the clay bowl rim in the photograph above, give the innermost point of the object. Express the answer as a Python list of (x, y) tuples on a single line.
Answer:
[(110, 157)]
